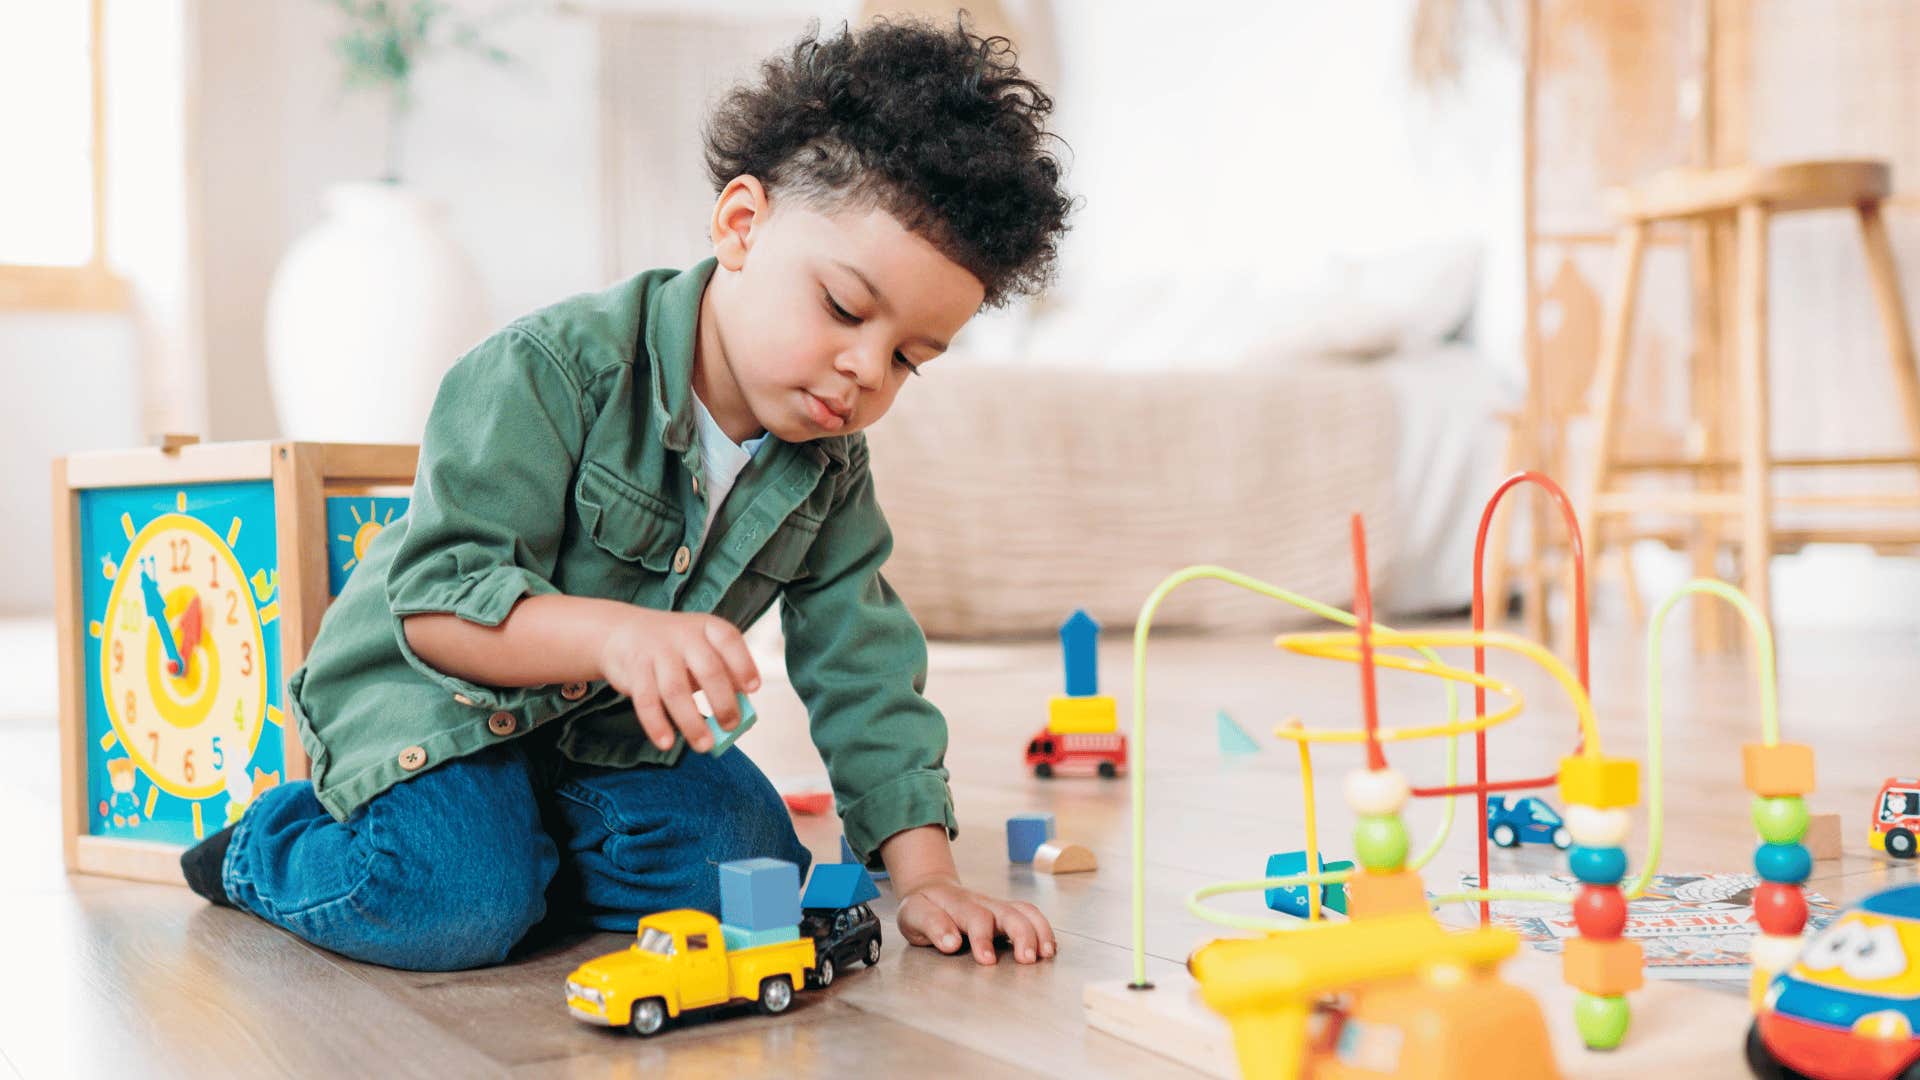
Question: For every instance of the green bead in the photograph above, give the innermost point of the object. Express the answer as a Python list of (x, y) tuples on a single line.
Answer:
[(1380, 842), (1782, 819), (1602, 1020)]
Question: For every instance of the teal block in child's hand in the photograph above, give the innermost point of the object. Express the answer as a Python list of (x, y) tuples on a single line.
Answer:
[(723, 738)]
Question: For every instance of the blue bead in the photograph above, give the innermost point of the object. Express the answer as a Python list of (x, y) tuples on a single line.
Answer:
[(1598, 865), (1788, 864)]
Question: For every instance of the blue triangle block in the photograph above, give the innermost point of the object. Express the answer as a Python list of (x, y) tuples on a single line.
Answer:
[(838, 885), (1234, 740)]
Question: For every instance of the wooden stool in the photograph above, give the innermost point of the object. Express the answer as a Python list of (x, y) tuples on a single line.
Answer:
[(1745, 198)]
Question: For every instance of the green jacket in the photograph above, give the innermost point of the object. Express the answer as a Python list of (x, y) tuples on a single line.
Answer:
[(559, 458)]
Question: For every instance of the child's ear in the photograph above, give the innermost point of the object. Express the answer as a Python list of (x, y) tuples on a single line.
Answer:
[(741, 207)]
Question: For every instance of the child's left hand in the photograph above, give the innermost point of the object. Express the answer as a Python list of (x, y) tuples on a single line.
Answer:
[(938, 913)]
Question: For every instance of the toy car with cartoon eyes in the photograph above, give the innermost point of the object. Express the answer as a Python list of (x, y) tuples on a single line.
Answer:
[(1848, 1007), (1527, 821)]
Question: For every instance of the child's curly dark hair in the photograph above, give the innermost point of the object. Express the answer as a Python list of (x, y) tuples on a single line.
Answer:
[(936, 126)]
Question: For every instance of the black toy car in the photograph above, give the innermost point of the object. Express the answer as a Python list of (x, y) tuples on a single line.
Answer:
[(840, 936)]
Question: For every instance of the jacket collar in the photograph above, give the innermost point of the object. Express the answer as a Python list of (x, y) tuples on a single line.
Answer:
[(673, 328)]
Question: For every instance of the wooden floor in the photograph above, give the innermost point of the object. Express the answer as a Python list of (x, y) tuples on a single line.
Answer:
[(106, 978)]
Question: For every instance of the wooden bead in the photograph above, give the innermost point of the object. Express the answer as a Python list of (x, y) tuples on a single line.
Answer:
[(1600, 911), (1780, 910)]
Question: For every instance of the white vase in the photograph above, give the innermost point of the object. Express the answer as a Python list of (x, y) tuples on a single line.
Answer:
[(366, 314)]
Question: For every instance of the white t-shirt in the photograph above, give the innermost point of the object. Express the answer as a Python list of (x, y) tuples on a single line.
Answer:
[(721, 461)]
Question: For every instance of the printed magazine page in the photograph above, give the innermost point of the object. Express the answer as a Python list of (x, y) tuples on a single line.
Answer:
[(1692, 926)]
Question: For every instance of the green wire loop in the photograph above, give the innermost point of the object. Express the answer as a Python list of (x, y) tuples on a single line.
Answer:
[(1769, 705), (1136, 757)]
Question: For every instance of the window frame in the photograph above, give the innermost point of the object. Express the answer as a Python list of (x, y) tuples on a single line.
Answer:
[(94, 286)]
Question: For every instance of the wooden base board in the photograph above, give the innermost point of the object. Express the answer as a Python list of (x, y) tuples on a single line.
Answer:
[(1169, 1020), (1687, 1025), (133, 859)]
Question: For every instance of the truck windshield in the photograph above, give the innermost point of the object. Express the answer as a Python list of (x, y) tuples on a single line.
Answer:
[(655, 940)]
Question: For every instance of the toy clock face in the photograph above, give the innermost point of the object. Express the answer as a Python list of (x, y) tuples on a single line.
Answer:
[(183, 713)]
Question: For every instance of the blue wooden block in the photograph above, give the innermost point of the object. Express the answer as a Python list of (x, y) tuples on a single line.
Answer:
[(1025, 834), (838, 885), (1080, 645), (846, 855), (759, 894), (1293, 901), (739, 938)]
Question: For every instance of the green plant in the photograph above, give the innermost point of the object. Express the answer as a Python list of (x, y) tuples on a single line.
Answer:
[(385, 43)]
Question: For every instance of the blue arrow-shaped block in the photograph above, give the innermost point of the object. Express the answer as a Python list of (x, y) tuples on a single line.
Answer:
[(1080, 645)]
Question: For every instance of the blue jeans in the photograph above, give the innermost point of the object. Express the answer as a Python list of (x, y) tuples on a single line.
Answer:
[(452, 868)]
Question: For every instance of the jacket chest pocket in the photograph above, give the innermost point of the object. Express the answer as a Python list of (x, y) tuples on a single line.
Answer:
[(780, 562), (633, 537)]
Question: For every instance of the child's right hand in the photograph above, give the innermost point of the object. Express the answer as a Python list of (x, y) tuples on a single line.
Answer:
[(659, 658)]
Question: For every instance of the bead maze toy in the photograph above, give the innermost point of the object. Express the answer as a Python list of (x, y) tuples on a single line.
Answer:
[(1083, 726), (1260, 985)]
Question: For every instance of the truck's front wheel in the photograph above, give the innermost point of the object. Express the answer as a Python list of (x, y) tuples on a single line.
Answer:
[(776, 994), (649, 1017)]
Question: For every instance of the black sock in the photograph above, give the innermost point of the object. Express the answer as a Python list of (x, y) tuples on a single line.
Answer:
[(203, 864)]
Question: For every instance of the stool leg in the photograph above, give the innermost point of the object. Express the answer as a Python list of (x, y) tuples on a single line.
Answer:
[(1708, 257), (1629, 250), (1750, 316), (1893, 314)]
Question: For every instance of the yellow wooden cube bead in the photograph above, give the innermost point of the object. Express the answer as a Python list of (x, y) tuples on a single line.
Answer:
[(1602, 783), (1604, 968), (1094, 715), (1782, 769)]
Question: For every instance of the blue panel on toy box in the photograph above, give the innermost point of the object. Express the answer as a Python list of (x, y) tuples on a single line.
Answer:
[(759, 894), (879, 872), (738, 937), (352, 523), (838, 885), (1293, 901), (1025, 834), (1080, 645), (173, 756)]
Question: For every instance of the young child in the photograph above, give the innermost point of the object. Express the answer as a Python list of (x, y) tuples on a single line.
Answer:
[(499, 707)]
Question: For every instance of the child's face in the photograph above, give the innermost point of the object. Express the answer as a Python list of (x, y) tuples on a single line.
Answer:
[(822, 315)]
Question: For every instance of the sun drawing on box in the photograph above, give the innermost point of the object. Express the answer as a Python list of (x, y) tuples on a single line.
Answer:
[(365, 530), (182, 663)]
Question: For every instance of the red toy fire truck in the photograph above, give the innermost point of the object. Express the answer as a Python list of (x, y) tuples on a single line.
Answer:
[(1896, 817), (1105, 751)]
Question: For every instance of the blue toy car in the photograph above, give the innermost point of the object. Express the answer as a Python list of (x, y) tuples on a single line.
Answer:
[(1525, 821)]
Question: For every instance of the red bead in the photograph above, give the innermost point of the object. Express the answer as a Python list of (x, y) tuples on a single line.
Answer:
[(1600, 911), (1780, 909)]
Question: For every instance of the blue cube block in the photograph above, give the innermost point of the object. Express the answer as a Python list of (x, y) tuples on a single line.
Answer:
[(846, 855), (737, 938), (1025, 834), (759, 894), (838, 885)]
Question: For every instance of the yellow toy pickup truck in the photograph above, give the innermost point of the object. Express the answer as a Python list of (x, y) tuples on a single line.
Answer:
[(680, 962)]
